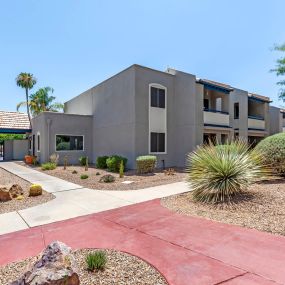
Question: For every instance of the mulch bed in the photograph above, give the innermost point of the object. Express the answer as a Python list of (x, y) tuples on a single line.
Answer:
[(121, 269), (15, 205), (262, 207), (139, 181)]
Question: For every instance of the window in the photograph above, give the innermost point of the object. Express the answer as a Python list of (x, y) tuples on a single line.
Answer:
[(65, 142), (157, 97), (38, 143), (236, 110), (157, 142), (206, 104)]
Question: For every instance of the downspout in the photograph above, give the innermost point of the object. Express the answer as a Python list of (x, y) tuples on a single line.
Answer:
[(48, 137)]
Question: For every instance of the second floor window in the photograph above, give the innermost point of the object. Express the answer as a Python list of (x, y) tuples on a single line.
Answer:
[(236, 110), (157, 97)]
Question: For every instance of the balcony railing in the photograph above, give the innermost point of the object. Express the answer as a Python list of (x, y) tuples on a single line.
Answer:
[(216, 118), (256, 117), (256, 123)]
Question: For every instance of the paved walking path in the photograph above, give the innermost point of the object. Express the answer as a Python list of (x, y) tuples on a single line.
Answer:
[(186, 250), (73, 200)]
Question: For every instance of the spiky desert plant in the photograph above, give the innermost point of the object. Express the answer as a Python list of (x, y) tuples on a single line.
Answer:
[(218, 172)]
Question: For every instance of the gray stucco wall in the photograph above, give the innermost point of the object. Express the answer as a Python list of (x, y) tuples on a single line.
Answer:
[(275, 120), (49, 124), (8, 150), (15, 149)]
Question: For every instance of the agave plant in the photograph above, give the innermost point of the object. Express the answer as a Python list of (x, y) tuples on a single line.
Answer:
[(218, 172)]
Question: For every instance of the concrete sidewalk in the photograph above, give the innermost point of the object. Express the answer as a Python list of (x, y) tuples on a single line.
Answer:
[(73, 200)]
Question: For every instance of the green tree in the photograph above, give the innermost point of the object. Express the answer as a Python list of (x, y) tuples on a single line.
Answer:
[(280, 70), (26, 81), (41, 101), (4, 137)]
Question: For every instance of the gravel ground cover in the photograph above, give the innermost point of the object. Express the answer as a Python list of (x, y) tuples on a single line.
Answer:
[(139, 181), (15, 205), (121, 269), (261, 207)]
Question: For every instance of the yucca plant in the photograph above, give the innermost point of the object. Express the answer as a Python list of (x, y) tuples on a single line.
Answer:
[(216, 173), (96, 260)]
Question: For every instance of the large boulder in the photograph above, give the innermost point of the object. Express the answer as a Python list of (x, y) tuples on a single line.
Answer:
[(56, 266), (5, 194), (16, 190)]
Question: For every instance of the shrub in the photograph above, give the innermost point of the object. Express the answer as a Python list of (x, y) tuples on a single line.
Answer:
[(48, 166), (146, 163), (107, 178), (97, 173), (217, 173), (84, 176), (101, 162), (121, 171), (113, 162), (83, 160), (96, 260), (63, 146), (35, 190), (54, 158), (273, 149), (74, 171)]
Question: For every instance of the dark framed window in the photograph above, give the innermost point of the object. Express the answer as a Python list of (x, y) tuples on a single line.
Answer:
[(157, 96), (283, 115), (206, 104), (157, 142), (67, 143), (236, 110), (38, 142)]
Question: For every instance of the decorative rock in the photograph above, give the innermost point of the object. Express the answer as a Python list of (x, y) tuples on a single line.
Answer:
[(35, 190), (5, 194), (56, 266), (16, 190)]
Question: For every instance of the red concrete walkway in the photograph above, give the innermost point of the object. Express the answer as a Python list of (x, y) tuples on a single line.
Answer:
[(186, 250)]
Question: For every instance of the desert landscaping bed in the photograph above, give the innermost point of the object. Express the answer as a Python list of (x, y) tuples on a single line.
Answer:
[(261, 207), (121, 269), (137, 181), (8, 178)]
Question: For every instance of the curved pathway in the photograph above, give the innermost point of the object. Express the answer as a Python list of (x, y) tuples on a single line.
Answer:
[(73, 200), (186, 250)]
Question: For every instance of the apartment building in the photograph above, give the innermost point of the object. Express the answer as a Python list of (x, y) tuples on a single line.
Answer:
[(145, 111)]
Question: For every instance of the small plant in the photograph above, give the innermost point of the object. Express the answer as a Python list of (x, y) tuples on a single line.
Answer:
[(107, 178), (54, 158), (218, 173), (84, 176), (48, 166), (146, 163), (35, 190), (74, 171), (121, 171), (83, 160), (101, 162), (86, 164), (96, 260), (169, 171), (113, 163), (65, 162), (98, 173)]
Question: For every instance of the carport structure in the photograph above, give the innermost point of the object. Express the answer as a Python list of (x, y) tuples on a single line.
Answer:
[(13, 123)]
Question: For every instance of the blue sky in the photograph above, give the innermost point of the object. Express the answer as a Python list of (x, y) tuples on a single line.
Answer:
[(73, 45)]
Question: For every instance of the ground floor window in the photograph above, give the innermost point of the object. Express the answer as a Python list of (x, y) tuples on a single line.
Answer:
[(157, 142), (210, 138), (66, 142)]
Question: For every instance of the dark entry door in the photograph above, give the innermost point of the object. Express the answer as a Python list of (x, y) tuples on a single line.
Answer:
[(33, 143)]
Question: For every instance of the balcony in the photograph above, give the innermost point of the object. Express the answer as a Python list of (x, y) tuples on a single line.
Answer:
[(256, 123), (216, 118)]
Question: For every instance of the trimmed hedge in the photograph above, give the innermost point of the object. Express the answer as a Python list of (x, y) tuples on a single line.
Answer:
[(273, 149), (146, 163), (113, 163), (101, 162)]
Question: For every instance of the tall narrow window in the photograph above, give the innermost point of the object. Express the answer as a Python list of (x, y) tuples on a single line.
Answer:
[(157, 142), (206, 104), (236, 110), (157, 97), (38, 143)]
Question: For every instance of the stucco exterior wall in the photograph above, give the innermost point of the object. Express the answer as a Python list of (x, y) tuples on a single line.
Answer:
[(15, 149), (275, 120)]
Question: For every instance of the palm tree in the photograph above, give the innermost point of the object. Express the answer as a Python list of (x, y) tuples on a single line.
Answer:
[(41, 101), (26, 81)]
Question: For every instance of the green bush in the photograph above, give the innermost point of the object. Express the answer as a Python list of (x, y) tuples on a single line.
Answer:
[(273, 149), (63, 146), (96, 260), (108, 178), (216, 174), (83, 160), (48, 166), (84, 176), (113, 163), (101, 162), (146, 163)]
